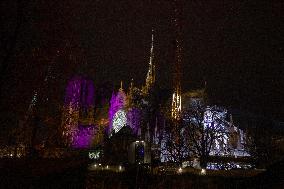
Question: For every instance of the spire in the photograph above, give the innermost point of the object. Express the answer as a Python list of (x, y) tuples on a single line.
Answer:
[(130, 93), (150, 78), (131, 87), (131, 84), (176, 97), (121, 88)]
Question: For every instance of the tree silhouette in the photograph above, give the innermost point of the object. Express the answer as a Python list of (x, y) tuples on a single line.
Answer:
[(202, 136)]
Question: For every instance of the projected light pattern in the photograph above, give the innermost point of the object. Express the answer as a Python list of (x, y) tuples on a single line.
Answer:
[(119, 120), (83, 137), (211, 117), (117, 102), (134, 119), (80, 93), (224, 145), (78, 113), (120, 115)]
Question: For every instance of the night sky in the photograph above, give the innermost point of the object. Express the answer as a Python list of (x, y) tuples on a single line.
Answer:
[(236, 46)]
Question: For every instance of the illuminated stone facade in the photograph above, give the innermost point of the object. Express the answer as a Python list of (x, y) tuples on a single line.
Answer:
[(125, 109), (78, 113), (117, 115), (122, 113), (232, 142)]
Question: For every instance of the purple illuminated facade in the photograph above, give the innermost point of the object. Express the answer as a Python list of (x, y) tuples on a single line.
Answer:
[(117, 102), (121, 114), (80, 91), (78, 114), (134, 119)]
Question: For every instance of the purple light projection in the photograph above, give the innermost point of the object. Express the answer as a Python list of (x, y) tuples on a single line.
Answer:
[(117, 102), (134, 115), (84, 137), (134, 118), (78, 116), (87, 93)]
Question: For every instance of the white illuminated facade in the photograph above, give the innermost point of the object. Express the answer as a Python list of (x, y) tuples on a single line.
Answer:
[(231, 141), (212, 115), (119, 120)]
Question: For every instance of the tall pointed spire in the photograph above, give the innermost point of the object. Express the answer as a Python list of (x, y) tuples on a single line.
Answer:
[(151, 74), (121, 88), (131, 84), (130, 93), (176, 97)]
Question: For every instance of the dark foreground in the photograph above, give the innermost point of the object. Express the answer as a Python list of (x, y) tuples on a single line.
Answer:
[(72, 173), (30, 173)]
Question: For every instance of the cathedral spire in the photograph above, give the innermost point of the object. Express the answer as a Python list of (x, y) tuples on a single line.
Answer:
[(121, 88), (176, 97), (130, 93), (131, 84), (150, 78)]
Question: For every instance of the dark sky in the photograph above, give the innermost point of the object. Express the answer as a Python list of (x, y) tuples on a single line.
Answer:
[(236, 46)]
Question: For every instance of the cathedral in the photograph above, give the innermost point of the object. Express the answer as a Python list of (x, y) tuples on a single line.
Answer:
[(133, 127), (129, 135), (80, 127)]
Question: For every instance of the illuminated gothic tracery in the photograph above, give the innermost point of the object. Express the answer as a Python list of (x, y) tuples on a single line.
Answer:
[(117, 103), (119, 120), (224, 145)]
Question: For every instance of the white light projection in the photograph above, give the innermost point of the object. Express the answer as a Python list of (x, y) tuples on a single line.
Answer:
[(211, 117), (119, 120)]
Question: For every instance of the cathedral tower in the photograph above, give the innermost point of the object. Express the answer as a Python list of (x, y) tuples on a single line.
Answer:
[(176, 97)]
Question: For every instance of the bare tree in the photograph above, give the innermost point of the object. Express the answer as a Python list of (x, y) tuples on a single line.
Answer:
[(206, 131), (174, 142)]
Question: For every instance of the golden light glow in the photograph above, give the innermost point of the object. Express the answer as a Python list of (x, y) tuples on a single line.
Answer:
[(150, 79), (176, 106)]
